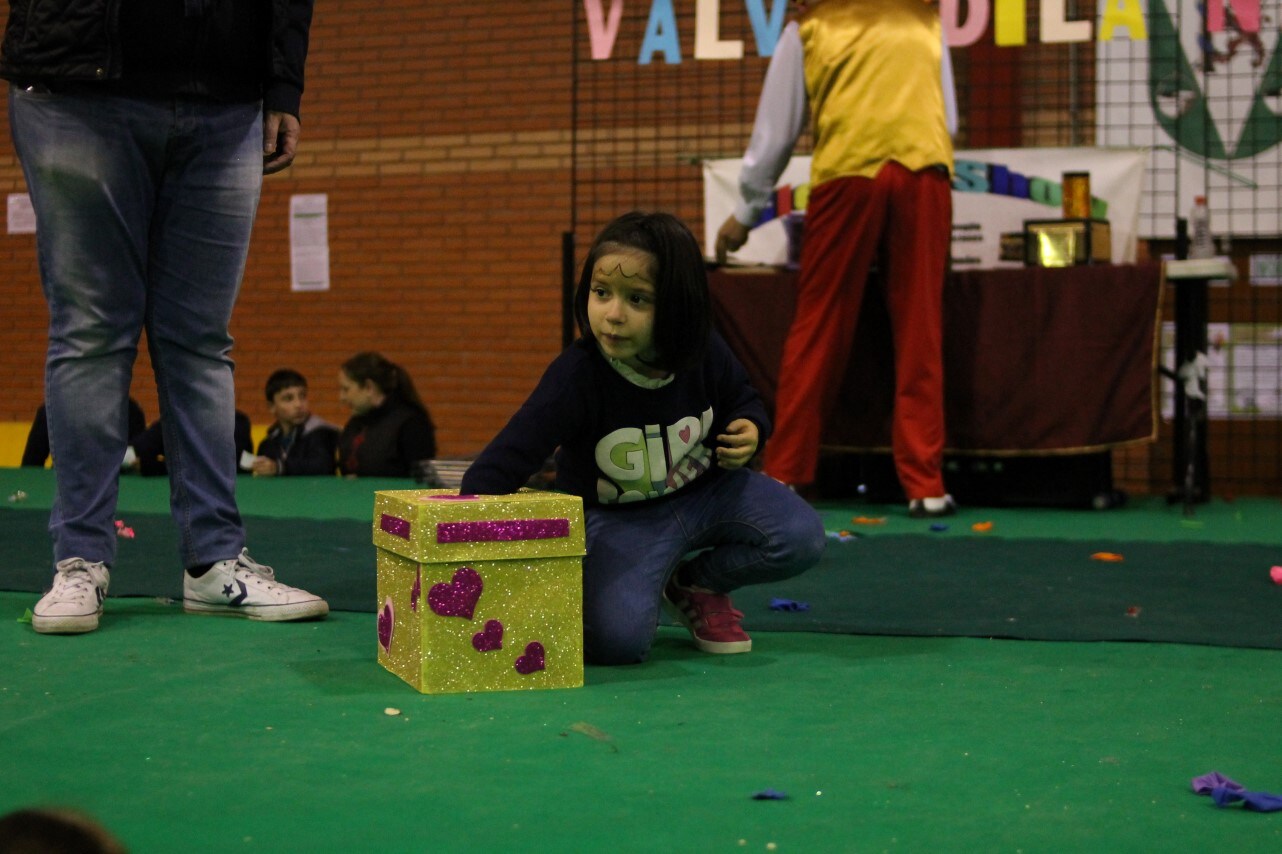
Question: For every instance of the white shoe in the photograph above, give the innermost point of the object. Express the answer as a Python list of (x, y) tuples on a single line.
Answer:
[(74, 604), (932, 508), (245, 588)]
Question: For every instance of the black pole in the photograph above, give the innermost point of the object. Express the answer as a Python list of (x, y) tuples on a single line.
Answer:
[(567, 289)]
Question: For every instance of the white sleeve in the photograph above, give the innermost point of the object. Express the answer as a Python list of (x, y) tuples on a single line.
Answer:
[(781, 116), (950, 90)]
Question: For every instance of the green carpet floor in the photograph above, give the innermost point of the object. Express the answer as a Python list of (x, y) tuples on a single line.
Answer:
[(1029, 574), (202, 734)]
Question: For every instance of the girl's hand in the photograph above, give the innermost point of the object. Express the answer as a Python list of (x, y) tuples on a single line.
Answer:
[(737, 445)]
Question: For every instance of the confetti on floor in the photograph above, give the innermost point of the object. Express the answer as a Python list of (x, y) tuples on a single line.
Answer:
[(770, 795)]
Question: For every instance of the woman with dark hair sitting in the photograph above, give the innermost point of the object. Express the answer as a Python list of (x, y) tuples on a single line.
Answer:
[(390, 429)]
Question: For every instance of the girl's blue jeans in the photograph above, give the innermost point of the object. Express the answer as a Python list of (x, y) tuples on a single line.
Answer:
[(747, 529)]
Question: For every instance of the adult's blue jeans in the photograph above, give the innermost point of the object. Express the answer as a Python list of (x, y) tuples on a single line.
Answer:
[(144, 209), (745, 527)]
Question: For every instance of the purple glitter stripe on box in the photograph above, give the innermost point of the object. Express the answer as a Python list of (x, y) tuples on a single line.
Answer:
[(503, 530), (395, 526)]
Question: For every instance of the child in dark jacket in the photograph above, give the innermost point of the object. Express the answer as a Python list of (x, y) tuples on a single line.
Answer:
[(298, 442), (390, 432), (654, 422)]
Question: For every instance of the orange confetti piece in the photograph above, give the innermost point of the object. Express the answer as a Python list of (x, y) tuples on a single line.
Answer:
[(869, 520), (1108, 557), (982, 527)]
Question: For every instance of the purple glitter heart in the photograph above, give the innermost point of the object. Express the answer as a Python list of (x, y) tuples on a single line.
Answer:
[(386, 622), (490, 639), (457, 598), (417, 590), (532, 661)]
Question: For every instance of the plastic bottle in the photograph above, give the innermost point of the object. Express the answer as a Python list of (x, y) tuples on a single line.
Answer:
[(1201, 243)]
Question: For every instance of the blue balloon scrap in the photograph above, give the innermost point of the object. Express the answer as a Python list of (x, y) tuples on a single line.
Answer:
[(788, 605), (770, 795), (1226, 792)]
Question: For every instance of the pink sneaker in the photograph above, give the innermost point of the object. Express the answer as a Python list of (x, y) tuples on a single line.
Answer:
[(711, 618)]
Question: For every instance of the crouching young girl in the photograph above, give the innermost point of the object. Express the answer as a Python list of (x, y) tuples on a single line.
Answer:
[(653, 422)]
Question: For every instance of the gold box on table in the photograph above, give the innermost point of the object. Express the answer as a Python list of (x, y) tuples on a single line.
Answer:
[(480, 592), (1067, 242)]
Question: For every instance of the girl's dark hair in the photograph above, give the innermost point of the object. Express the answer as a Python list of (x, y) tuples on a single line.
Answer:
[(682, 312), (391, 379)]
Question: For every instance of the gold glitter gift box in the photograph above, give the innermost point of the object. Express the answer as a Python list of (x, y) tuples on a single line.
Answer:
[(480, 592)]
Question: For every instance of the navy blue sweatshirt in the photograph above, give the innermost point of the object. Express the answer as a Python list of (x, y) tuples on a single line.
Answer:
[(619, 442)]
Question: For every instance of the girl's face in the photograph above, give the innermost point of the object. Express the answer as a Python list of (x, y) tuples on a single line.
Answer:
[(621, 308), (358, 396)]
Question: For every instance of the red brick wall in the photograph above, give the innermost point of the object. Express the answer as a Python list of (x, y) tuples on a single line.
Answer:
[(441, 135)]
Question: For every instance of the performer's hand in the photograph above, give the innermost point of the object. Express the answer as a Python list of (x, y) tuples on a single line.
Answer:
[(280, 141), (730, 237), (737, 445), (265, 467)]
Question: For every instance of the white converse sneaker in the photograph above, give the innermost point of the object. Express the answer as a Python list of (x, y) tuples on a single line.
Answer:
[(245, 588), (74, 604)]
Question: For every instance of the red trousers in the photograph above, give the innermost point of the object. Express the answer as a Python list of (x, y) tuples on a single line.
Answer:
[(903, 219)]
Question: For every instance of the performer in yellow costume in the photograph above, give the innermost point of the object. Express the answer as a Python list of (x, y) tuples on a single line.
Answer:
[(876, 80)]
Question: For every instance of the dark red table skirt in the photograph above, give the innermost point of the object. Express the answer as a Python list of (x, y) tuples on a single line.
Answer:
[(1038, 361)]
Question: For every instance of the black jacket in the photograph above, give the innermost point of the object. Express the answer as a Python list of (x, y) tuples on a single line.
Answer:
[(36, 452), (149, 446), (310, 448), (618, 443), (387, 441), (79, 42)]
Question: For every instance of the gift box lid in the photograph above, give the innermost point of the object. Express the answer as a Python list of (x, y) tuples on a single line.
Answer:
[(439, 525)]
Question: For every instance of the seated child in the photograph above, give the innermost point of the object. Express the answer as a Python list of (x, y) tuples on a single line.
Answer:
[(390, 432), (298, 442), (146, 451), (36, 451), (655, 422)]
